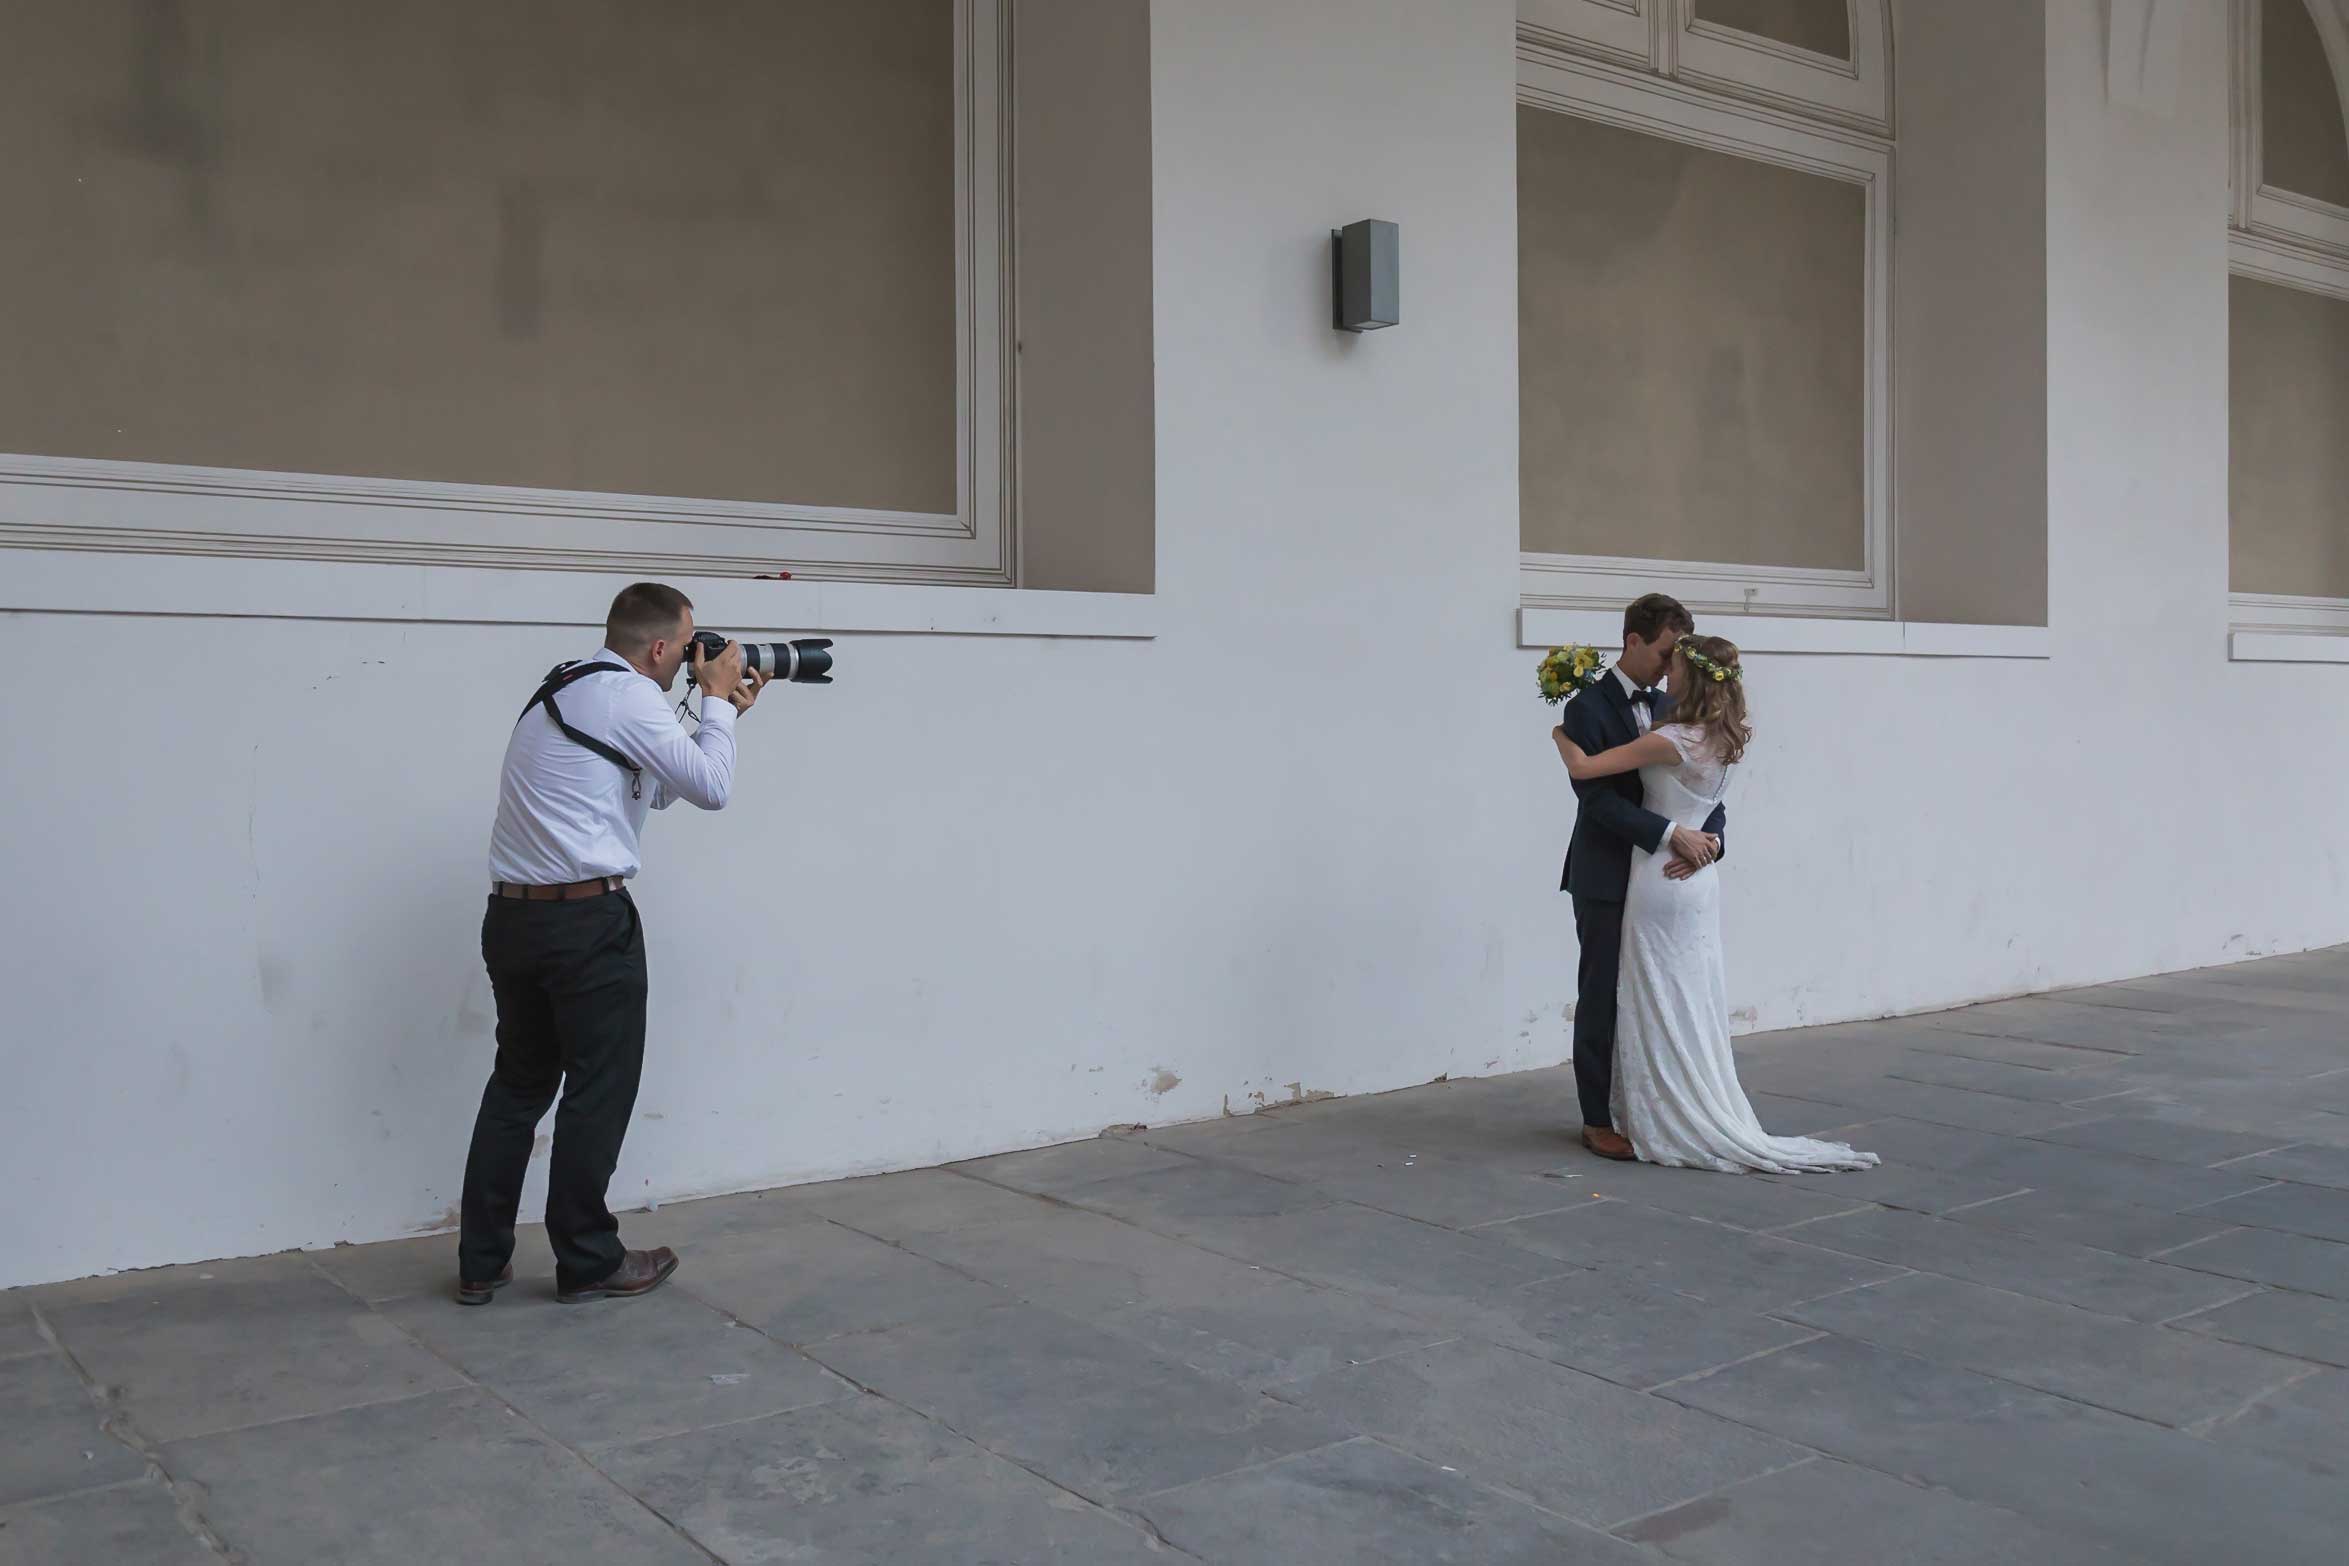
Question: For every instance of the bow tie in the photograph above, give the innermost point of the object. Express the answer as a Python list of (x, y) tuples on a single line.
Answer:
[(1648, 698)]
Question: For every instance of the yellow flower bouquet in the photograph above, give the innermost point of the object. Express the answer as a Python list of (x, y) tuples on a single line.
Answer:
[(1569, 671)]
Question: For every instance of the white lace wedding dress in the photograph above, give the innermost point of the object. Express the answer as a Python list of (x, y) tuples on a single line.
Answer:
[(1676, 1093)]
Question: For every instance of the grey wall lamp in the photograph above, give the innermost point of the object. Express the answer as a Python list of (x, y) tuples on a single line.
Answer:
[(1365, 275)]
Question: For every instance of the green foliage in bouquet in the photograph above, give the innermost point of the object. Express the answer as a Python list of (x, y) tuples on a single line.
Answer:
[(1569, 671)]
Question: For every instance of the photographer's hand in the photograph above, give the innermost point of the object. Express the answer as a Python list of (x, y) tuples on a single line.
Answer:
[(746, 694), (720, 676)]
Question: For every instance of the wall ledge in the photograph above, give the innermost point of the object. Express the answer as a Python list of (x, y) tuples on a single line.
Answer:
[(1831, 638), (76, 582), (2286, 647)]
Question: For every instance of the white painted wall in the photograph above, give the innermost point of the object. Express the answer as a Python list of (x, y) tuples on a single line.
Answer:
[(985, 891)]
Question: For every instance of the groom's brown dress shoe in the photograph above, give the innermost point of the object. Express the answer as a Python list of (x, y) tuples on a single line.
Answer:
[(639, 1272), (469, 1293), (1607, 1143)]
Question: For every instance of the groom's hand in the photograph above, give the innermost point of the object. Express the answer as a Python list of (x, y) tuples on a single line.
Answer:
[(1698, 848)]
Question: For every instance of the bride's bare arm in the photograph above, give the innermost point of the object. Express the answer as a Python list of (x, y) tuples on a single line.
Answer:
[(1648, 750)]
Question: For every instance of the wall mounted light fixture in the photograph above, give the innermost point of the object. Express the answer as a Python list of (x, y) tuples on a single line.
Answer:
[(1365, 275)]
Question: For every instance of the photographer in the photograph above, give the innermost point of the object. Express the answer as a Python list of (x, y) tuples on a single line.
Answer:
[(596, 747)]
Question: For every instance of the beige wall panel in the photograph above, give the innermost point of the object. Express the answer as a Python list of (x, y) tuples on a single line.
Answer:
[(1821, 26), (1970, 313), (1087, 431), (698, 248), (1691, 351), (2287, 440)]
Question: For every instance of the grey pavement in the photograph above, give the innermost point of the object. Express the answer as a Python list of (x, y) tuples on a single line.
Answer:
[(2093, 1308)]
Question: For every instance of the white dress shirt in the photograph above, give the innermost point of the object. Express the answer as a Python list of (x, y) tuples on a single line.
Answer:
[(567, 814), (1643, 717)]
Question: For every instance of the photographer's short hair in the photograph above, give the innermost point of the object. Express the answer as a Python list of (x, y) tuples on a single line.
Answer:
[(644, 613), (1651, 616)]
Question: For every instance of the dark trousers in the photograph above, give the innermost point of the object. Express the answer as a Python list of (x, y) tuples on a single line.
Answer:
[(1599, 927), (570, 985)]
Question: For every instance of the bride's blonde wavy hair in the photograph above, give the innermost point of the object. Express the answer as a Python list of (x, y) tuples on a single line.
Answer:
[(1708, 692)]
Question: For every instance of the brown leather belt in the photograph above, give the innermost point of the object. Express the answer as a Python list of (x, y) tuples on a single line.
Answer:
[(570, 891)]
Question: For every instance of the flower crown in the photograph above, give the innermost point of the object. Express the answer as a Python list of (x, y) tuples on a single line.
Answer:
[(1719, 671)]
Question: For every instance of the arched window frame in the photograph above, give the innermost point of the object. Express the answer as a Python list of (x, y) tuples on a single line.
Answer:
[(2290, 239)]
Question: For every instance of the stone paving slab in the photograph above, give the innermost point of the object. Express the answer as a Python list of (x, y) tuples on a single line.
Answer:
[(2305, 1165), (2095, 1280), (2157, 1495), (1624, 1331), (2313, 1210), (2158, 1375), (1085, 1409), (2102, 1226), (2166, 1142), (1740, 1202), (1363, 1504), (1173, 1201), (19, 1333), (2093, 1308), (243, 1343), (2107, 1177), (866, 1481), (1390, 1173), (1830, 1510), (1908, 1187), (51, 1441), (136, 1522), (649, 1367), (1709, 1262), (2306, 1326), (819, 1280), (2305, 1425), (2283, 1261), (2002, 1079), (449, 1476), (1414, 1267), (1568, 1442)]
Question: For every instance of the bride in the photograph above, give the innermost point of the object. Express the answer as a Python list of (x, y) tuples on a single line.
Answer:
[(1676, 1093)]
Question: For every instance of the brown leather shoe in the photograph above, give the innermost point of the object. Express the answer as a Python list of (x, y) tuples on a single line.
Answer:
[(483, 1293), (1608, 1143), (639, 1272)]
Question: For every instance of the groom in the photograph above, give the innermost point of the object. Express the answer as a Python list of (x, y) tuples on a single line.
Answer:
[(1610, 821)]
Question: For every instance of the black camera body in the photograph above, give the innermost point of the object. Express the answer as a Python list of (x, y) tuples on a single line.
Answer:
[(804, 662)]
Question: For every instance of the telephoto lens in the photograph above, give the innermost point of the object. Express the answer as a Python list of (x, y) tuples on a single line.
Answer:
[(804, 662)]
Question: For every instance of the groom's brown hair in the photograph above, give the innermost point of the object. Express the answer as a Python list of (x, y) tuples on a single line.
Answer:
[(1651, 616)]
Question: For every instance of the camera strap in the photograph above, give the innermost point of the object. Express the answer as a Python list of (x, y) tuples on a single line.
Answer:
[(568, 673)]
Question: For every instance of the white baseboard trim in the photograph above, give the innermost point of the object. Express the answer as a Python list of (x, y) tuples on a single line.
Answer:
[(77, 582), (2286, 647), (1769, 634)]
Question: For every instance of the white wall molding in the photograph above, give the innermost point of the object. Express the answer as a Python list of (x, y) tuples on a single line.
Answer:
[(1668, 38), (1773, 634), (1857, 90), (1629, 32), (1593, 90), (52, 502), (2273, 260), (2269, 647), (71, 582), (2288, 614), (2317, 228)]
